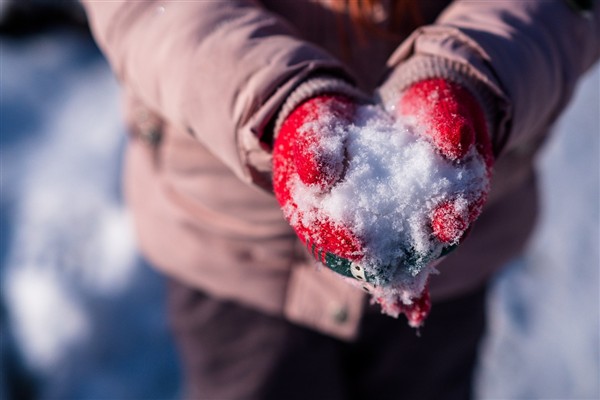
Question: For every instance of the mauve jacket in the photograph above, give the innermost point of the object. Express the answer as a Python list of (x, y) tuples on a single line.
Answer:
[(205, 80)]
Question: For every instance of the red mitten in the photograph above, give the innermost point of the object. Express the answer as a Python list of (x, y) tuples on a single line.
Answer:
[(452, 119), (309, 148)]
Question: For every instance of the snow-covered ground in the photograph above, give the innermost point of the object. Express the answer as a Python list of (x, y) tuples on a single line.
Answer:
[(82, 316), (544, 337), (83, 310)]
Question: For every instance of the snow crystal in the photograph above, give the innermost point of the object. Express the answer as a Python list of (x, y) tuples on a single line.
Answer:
[(393, 180)]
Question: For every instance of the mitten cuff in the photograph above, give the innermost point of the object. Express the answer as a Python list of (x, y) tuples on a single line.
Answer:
[(313, 87), (419, 68)]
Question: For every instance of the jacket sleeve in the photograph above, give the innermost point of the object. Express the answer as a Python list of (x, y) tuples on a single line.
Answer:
[(218, 69), (523, 59)]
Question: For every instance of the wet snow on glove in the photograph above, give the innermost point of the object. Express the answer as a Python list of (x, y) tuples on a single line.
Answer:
[(392, 181)]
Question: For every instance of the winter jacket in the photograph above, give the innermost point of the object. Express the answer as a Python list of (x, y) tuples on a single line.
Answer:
[(204, 82)]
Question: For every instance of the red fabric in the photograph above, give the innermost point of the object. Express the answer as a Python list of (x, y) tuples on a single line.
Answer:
[(296, 152), (454, 122)]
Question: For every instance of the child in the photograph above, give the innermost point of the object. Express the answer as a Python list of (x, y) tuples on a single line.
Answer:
[(218, 95)]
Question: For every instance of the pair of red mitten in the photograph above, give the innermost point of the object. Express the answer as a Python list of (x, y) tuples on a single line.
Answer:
[(448, 117)]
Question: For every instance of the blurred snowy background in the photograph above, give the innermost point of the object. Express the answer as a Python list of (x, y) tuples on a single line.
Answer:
[(82, 316)]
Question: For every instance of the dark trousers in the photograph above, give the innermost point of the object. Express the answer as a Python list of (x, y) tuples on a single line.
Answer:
[(229, 351)]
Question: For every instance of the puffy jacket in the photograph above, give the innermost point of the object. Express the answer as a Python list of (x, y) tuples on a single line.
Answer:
[(204, 81)]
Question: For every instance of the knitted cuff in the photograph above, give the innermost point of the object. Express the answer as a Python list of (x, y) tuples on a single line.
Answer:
[(315, 87), (420, 67)]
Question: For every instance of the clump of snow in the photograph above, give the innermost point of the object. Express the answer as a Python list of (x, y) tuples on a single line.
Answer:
[(392, 181)]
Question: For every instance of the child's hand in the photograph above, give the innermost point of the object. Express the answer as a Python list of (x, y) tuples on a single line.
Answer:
[(452, 119), (310, 148)]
